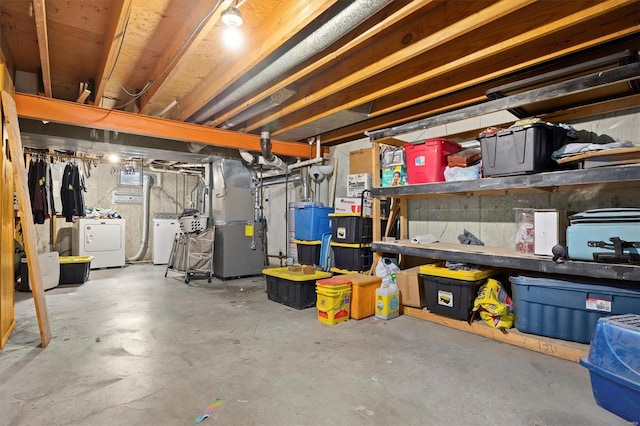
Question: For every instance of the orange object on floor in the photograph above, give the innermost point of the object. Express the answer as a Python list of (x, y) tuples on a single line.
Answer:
[(363, 294)]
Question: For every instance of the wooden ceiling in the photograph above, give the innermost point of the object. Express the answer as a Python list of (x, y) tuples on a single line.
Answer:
[(397, 61)]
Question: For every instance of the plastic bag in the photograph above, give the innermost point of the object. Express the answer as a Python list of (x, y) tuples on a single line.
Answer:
[(494, 305), (472, 172), (385, 267)]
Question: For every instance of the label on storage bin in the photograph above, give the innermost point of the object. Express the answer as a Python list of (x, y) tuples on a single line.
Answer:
[(598, 304), (445, 298), (341, 232), (420, 160)]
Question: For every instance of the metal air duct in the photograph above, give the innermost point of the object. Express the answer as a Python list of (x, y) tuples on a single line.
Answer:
[(273, 100), (352, 15)]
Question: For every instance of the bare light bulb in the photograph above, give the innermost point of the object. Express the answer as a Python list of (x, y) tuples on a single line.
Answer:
[(232, 37)]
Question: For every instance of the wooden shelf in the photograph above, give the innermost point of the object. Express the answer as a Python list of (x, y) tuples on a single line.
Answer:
[(627, 176), (571, 351), (510, 259), (597, 178)]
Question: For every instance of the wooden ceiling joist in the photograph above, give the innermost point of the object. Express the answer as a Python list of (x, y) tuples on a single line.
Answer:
[(499, 48), (397, 16), (40, 12), (456, 30), (115, 38), (296, 14), (173, 57), (491, 51), (39, 108)]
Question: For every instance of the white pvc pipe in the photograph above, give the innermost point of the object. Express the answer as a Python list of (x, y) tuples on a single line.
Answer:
[(317, 146)]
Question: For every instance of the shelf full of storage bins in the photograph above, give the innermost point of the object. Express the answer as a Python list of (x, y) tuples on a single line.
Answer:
[(612, 177)]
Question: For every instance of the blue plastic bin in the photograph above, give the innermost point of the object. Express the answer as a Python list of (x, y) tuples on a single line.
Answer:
[(312, 222), (567, 310), (614, 365)]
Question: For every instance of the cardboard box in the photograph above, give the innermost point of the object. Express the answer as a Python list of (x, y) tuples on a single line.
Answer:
[(360, 161), (411, 290), (358, 183), (352, 205), (549, 229), (394, 176)]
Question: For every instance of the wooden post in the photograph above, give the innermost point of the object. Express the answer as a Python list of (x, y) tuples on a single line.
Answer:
[(24, 207), (7, 217)]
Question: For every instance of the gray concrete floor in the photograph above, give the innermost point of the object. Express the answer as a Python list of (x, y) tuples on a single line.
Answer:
[(133, 347)]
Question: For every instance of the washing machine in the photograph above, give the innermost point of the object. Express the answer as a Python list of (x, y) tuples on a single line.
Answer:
[(165, 228), (104, 239)]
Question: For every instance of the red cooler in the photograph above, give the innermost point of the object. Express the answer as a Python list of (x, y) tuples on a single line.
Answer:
[(427, 160)]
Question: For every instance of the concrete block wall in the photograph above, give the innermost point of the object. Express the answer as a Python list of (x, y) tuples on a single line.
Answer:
[(492, 218), (171, 196)]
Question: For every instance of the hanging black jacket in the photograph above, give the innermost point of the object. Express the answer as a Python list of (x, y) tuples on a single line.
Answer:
[(71, 193), (37, 180)]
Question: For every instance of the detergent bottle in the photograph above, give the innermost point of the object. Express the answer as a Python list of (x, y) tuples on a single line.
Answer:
[(388, 298)]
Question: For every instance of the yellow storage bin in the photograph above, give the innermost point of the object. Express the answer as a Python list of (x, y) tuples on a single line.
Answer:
[(451, 293), (333, 300), (439, 270), (363, 294), (75, 269), (292, 288)]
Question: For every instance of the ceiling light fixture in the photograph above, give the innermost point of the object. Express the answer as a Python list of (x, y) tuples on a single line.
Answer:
[(231, 17)]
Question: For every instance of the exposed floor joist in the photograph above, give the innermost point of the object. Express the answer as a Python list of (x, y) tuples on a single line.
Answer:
[(397, 16), (298, 15), (477, 20), (40, 12), (173, 56), (490, 51), (116, 34)]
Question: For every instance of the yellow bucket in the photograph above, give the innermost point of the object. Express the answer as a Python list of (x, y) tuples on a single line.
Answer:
[(333, 301)]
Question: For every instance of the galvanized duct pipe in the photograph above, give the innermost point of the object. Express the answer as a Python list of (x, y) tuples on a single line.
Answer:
[(147, 183), (305, 191), (353, 15), (265, 105), (280, 180)]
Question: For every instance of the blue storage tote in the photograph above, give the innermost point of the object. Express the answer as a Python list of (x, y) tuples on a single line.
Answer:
[(567, 310), (614, 365), (312, 222)]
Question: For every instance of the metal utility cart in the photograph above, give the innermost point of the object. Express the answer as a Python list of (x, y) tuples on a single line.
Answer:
[(192, 250)]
